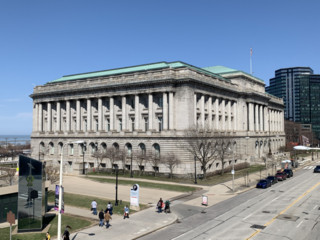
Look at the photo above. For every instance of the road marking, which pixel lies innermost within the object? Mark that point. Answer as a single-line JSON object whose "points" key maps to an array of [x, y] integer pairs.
{"points": [[305, 167], [299, 224], [247, 216], [274, 199], [180, 235], [257, 231], [315, 207]]}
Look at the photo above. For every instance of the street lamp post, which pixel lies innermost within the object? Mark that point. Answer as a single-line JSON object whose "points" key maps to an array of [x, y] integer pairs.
{"points": [[60, 188], [116, 203], [131, 165], [84, 145], [195, 170]]}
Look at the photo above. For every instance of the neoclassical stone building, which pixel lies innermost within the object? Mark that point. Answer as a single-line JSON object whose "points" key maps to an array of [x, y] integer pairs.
{"points": [[147, 106]]}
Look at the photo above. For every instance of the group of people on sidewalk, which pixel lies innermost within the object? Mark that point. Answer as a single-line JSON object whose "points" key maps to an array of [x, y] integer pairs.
{"points": [[163, 205]]}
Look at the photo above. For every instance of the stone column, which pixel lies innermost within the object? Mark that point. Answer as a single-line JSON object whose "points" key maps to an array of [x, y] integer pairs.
{"points": [[111, 116], [100, 125], [150, 108], [251, 117], [136, 112], [223, 115], [229, 115], [281, 121], [235, 119], [35, 117], [124, 117], [210, 113], [58, 129], [170, 110], [89, 117], [78, 115], [165, 111], [49, 117], [256, 111], [40, 118], [216, 112], [265, 119], [68, 115], [272, 120], [195, 108], [202, 114], [260, 118]]}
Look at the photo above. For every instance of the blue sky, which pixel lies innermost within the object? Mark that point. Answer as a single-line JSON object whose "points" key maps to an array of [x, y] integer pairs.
{"points": [[44, 40]]}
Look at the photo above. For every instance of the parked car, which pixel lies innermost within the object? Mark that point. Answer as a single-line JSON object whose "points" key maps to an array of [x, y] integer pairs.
{"points": [[289, 172], [317, 169], [281, 176], [272, 179], [263, 183]]}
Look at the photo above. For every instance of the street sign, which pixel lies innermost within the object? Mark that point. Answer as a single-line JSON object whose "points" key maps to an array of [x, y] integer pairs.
{"points": [[232, 171], [204, 200], [134, 195], [11, 220]]}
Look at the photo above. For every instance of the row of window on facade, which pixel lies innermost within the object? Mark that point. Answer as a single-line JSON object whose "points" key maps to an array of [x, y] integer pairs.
{"points": [[93, 147]]}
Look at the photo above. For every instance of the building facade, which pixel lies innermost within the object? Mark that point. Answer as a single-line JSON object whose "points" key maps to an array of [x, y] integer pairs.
{"points": [[148, 107], [300, 89]]}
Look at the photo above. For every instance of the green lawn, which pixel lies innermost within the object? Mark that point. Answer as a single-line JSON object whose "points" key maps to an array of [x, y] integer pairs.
{"points": [[169, 187], [75, 223], [82, 201], [209, 181]]}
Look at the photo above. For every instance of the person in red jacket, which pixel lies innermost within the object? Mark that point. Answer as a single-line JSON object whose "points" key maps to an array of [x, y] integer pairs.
{"points": [[159, 205]]}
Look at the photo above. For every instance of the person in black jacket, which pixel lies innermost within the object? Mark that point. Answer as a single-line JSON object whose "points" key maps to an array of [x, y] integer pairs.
{"points": [[101, 217]]}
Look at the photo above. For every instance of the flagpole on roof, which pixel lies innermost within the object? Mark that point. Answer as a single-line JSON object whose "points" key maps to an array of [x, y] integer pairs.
{"points": [[250, 60]]}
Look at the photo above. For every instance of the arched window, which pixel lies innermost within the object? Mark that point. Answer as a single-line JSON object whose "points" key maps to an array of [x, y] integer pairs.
{"points": [[142, 147], [60, 147], [41, 147], [156, 148], [129, 149], [93, 147], [104, 147], [116, 146], [51, 145]]}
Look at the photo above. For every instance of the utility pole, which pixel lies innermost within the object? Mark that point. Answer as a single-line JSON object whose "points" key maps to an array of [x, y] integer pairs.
{"points": [[131, 164]]}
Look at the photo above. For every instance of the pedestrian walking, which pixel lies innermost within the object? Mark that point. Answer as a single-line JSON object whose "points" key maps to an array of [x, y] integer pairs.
{"points": [[167, 206], [159, 205], [107, 218], [109, 208], [48, 236], [126, 212], [101, 217], [94, 206], [66, 234]]}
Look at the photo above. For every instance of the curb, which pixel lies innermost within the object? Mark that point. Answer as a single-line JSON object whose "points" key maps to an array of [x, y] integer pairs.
{"points": [[157, 229]]}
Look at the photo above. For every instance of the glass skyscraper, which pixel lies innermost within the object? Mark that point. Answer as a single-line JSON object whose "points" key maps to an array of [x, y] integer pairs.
{"points": [[300, 90]]}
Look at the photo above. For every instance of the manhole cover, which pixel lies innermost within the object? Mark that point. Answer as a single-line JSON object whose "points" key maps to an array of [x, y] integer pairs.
{"points": [[203, 212], [287, 217], [258, 226], [265, 211], [305, 212]]}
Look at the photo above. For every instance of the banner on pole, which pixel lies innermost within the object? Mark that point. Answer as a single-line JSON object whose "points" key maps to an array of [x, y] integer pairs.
{"points": [[56, 203], [205, 200]]}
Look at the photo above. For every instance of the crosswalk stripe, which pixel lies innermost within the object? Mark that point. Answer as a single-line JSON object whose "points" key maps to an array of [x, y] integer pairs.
{"points": [[305, 168]]}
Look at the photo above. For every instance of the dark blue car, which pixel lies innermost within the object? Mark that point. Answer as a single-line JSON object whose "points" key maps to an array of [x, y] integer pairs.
{"points": [[264, 183]]}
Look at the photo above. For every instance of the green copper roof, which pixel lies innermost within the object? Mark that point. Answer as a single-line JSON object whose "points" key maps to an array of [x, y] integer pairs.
{"points": [[137, 68], [224, 70]]}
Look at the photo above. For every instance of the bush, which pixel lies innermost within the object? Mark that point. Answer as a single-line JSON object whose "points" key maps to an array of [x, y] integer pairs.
{"points": [[237, 167]]}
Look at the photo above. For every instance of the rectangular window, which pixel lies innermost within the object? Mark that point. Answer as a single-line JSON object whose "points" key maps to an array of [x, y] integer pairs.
{"points": [[85, 125], [75, 125], [160, 124], [146, 124], [132, 122], [97, 125], [108, 125], [160, 102], [132, 104], [120, 125]]}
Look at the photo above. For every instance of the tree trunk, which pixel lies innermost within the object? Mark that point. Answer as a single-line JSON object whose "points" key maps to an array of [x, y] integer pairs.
{"points": [[204, 172]]}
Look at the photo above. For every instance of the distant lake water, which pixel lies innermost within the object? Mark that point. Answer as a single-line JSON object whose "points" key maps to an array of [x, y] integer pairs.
{"points": [[11, 138]]}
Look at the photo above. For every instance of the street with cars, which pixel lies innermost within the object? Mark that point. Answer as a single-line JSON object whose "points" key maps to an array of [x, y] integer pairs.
{"points": [[289, 209]]}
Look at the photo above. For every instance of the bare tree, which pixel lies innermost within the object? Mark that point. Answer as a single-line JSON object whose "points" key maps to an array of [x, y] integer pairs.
{"points": [[200, 142], [223, 146], [140, 158], [170, 161], [9, 175], [112, 155], [100, 155], [122, 156], [53, 174]]}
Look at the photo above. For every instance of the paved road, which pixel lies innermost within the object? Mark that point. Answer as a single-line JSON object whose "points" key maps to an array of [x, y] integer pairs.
{"points": [[288, 210]]}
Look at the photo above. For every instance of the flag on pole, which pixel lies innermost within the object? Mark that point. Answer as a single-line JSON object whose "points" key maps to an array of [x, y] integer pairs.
{"points": [[251, 51]]}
